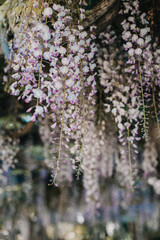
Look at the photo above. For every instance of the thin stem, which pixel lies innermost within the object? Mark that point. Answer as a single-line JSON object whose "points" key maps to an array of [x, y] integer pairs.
{"points": [[83, 126], [61, 134], [40, 68], [63, 110], [129, 155], [100, 110], [144, 111], [155, 109]]}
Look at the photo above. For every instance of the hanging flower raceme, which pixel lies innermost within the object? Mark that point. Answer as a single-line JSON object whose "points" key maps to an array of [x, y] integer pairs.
{"points": [[120, 93], [108, 152], [155, 85], [90, 167], [52, 59], [65, 175], [136, 34]]}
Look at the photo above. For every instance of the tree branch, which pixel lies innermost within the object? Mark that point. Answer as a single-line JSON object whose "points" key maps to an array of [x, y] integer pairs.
{"points": [[101, 15], [25, 130]]}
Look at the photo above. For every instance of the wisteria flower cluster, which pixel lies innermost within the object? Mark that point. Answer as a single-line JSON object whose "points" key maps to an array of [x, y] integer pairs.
{"points": [[53, 67], [141, 58], [88, 122], [130, 78], [120, 95]]}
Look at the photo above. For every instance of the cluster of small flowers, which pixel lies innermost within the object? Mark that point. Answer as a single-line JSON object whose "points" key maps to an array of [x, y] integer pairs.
{"points": [[100, 159], [52, 59], [125, 173], [65, 173], [156, 57], [109, 77], [137, 38], [57, 41], [149, 165], [155, 183], [84, 121], [8, 151], [150, 162], [136, 35], [64, 49], [46, 137], [90, 167], [108, 152], [121, 100], [121, 97], [156, 83]]}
